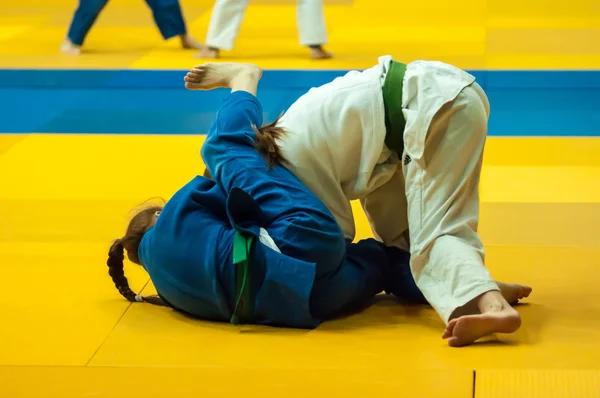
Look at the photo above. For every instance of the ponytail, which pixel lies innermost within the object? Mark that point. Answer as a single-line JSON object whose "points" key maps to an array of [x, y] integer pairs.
{"points": [[266, 143], [116, 255], [138, 226]]}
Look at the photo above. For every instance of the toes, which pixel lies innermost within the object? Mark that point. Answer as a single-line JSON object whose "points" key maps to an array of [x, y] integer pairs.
{"points": [[524, 291], [449, 328], [193, 78], [193, 86], [455, 342], [448, 332]]}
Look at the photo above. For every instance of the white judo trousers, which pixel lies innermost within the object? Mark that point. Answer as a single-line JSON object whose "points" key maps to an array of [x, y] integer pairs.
{"points": [[227, 16], [427, 200], [437, 198]]}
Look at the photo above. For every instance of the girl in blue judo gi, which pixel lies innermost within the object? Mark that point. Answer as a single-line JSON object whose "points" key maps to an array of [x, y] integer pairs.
{"points": [[253, 244], [167, 15]]}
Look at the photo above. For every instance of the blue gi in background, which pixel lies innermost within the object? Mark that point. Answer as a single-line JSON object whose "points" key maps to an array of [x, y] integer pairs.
{"points": [[167, 15], [317, 275]]}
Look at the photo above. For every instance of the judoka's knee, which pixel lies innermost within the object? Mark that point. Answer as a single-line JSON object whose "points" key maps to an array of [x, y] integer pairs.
{"points": [[323, 245], [329, 249]]}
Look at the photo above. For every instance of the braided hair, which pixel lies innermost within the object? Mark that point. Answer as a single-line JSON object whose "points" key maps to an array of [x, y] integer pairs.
{"points": [[130, 243]]}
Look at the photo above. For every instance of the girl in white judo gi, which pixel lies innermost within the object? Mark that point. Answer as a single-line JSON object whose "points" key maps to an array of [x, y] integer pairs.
{"points": [[407, 141]]}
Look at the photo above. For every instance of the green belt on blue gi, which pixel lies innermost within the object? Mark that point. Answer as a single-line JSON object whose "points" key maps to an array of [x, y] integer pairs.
{"points": [[242, 312], [392, 102]]}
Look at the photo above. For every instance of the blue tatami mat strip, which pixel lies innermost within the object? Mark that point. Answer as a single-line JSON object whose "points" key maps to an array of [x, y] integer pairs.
{"points": [[524, 103]]}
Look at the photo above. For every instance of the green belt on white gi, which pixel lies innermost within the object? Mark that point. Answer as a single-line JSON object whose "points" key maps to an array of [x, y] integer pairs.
{"points": [[242, 312], [392, 102]]}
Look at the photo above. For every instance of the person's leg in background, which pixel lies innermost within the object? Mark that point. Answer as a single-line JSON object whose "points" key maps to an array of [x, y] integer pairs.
{"points": [[224, 26], [84, 17], [227, 16], [167, 15], [169, 19], [310, 19]]}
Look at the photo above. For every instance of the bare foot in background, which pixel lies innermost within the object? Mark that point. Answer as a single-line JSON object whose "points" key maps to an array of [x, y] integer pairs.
{"points": [[67, 47], [207, 52], [318, 52], [188, 41]]}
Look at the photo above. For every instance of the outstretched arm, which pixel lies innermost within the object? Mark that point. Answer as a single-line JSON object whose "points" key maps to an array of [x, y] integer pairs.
{"points": [[236, 76]]}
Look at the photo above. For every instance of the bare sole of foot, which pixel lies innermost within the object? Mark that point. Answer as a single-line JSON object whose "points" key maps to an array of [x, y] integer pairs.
{"points": [[513, 292], [470, 328], [208, 53], [215, 75]]}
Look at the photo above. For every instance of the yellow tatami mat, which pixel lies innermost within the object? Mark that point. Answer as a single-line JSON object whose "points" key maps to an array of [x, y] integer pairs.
{"points": [[66, 332], [472, 34], [538, 384], [224, 383]]}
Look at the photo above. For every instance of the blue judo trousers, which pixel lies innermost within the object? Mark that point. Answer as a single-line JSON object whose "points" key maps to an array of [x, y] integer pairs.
{"points": [[167, 15], [316, 276]]}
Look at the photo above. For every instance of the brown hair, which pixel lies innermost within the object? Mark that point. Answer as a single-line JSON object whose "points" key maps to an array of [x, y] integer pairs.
{"points": [[139, 224], [266, 144]]}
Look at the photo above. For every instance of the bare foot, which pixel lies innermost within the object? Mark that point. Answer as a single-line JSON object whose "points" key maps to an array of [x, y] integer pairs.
{"points": [[188, 42], [513, 292], [318, 52], [67, 47], [496, 316], [215, 75], [469, 328], [207, 52]]}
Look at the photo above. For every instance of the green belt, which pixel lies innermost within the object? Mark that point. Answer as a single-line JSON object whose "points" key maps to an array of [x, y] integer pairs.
{"points": [[243, 305], [392, 102]]}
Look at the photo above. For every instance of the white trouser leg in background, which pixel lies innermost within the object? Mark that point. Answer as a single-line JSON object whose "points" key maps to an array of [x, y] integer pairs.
{"points": [[442, 191], [310, 19], [225, 22]]}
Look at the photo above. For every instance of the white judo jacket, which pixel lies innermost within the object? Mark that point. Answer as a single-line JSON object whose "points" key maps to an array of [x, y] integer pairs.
{"points": [[335, 133]]}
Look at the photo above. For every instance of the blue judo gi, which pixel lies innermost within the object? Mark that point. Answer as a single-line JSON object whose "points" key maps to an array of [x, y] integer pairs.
{"points": [[209, 228], [167, 15]]}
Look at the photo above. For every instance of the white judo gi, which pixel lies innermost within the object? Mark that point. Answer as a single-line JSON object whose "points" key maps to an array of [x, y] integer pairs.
{"points": [[227, 16], [335, 144]]}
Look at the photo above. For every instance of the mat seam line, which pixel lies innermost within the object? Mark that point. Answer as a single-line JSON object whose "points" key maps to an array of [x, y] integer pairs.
{"points": [[113, 328], [473, 393]]}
